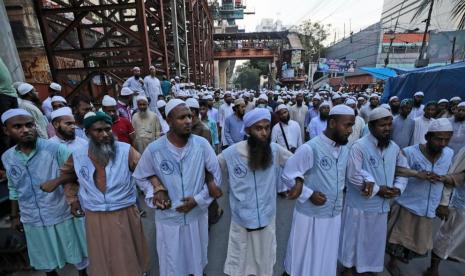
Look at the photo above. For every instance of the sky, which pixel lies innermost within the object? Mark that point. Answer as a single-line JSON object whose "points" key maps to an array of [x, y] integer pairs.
{"points": [[356, 14]]}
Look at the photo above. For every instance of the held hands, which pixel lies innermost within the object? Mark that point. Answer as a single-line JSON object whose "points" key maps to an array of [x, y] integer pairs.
{"points": [[161, 200], [429, 176], [76, 209], [295, 192], [189, 204], [367, 189], [386, 192], [318, 198], [213, 190]]}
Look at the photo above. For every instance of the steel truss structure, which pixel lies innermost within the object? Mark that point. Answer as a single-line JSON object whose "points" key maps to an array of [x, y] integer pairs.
{"points": [[102, 40]]}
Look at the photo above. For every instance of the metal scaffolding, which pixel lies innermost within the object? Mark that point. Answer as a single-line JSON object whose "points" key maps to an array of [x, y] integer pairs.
{"points": [[102, 40]]}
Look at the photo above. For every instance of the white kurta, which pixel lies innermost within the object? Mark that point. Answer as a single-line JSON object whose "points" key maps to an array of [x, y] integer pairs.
{"points": [[357, 129], [316, 127], [224, 112], [421, 128], [417, 112], [164, 125], [152, 89], [292, 132], [298, 114], [313, 245]]}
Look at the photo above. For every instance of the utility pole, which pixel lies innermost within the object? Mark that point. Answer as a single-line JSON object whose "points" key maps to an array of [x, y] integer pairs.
{"points": [[393, 36], [420, 62], [452, 59]]}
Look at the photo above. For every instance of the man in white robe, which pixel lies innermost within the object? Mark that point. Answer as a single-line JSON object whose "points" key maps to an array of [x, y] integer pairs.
{"points": [[318, 124], [179, 160], [299, 112], [418, 107], [65, 125], [318, 171], [225, 110], [458, 124], [357, 129], [370, 186], [161, 104], [252, 170], [422, 123], [152, 88]]}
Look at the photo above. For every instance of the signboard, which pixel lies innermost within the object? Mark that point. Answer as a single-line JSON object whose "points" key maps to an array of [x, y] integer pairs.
{"points": [[440, 46], [331, 65], [296, 58]]}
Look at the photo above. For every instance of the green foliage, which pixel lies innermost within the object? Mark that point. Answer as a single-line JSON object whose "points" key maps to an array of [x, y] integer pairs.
{"points": [[247, 77], [312, 35]]}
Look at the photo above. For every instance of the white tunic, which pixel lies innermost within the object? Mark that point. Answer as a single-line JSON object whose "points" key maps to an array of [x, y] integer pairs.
{"points": [[316, 127], [357, 129], [421, 128], [164, 125], [152, 89], [292, 132], [417, 112], [224, 112], [298, 114]]}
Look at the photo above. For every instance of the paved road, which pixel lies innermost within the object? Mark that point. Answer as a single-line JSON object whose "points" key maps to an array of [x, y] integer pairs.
{"points": [[219, 239]]}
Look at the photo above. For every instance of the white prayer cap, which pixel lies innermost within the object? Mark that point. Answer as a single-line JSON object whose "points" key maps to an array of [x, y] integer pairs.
{"points": [[341, 109], [280, 100], [126, 91], [10, 113], [360, 98], [142, 98], [172, 104], [462, 104], [393, 98], [378, 113], [336, 96], [176, 78], [208, 97], [374, 95], [325, 103], [281, 106], [24, 88], [443, 101], [161, 103], [171, 80], [238, 101], [441, 124], [58, 99], [135, 68], [108, 101], [263, 97], [55, 86], [152, 67], [193, 103], [317, 96], [385, 105], [350, 101], [256, 115], [419, 93], [456, 99], [64, 111]]}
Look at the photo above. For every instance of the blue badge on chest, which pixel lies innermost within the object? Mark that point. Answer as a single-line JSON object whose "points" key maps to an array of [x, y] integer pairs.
{"points": [[326, 163], [240, 171], [15, 172], [84, 172], [167, 167], [373, 162]]}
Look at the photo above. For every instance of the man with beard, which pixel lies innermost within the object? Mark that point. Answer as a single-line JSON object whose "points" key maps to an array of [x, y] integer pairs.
{"points": [[317, 170], [124, 104], [394, 103], [64, 125], [152, 88], [136, 84], [81, 106], [28, 100], [218, 102], [252, 170], [422, 123], [357, 128], [371, 185], [410, 225], [179, 160], [403, 126], [162, 117], [286, 133], [298, 113], [443, 109], [212, 112], [234, 124], [103, 169], [248, 103], [458, 125], [313, 109], [318, 124], [54, 238], [418, 107], [121, 127], [57, 102], [366, 109], [54, 89], [146, 124], [361, 101], [225, 110], [449, 242]]}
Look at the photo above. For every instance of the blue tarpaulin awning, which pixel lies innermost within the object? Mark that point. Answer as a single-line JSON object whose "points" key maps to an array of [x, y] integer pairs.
{"points": [[380, 73]]}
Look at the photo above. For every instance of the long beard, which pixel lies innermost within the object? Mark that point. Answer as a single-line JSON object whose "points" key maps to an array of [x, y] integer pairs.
{"points": [[65, 135], [103, 152], [260, 154], [143, 114]]}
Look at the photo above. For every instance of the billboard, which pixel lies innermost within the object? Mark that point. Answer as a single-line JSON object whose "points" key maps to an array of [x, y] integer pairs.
{"points": [[440, 46], [331, 65]]}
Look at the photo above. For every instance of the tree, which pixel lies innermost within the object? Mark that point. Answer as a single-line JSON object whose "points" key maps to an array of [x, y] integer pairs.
{"points": [[247, 77], [312, 35], [458, 11]]}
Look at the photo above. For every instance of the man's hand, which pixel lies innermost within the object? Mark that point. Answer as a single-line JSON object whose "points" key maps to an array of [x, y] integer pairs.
{"points": [[189, 204], [367, 189], [442, 212], [429, 176], [16, 224], [395, 192], [295, 192], [318, 198], [161, 200], [76, 209], [49, 186], [213, 190], [384, 192]]}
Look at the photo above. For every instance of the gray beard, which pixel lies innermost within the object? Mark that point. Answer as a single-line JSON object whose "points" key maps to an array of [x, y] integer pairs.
{"points": [[143, 114], [103, 153]]}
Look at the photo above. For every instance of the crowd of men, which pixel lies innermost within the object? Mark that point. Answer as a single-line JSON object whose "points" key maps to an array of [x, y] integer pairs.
{"points": [[367, 178]]}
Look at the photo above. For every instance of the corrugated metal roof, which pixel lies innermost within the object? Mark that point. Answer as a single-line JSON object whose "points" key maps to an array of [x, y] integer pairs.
{"points": [[294, 41]]}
